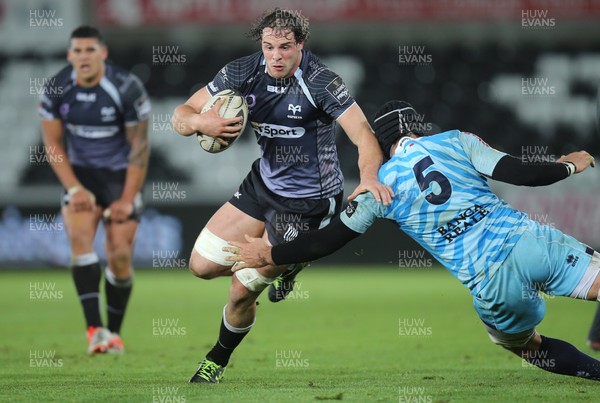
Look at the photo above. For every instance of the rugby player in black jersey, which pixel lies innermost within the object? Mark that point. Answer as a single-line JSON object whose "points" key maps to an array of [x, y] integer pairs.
{"points": [[94, 122], [296, 186]]}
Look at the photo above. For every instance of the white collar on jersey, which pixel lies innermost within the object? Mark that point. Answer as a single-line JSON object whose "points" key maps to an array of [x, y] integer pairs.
{"points": [[402, 144], [301, 82]]}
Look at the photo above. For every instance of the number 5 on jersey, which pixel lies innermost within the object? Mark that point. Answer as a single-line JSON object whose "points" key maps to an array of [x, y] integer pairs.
{"points": [[432, 176]]}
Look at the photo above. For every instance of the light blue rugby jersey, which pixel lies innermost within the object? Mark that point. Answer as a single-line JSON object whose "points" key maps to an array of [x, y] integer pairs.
{"points": [[443, 201]]}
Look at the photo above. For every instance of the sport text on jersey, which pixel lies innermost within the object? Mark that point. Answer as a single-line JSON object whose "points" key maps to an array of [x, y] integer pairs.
{"points": [[461, 223], [268, 130]]}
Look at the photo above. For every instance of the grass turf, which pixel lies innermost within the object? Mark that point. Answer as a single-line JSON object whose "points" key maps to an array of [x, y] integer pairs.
{"points": [[369, 334]]}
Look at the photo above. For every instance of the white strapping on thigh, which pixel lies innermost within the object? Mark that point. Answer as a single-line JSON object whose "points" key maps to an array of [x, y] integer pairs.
{"points": [[507, 340], [586, 282], [211, 247]]}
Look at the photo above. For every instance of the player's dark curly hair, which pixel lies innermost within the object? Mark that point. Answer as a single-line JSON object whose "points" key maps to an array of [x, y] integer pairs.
{"points": [[281, 19]]}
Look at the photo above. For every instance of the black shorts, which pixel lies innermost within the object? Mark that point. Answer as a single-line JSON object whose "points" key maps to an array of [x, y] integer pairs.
{"points": [[106, 185], [285, 218]]}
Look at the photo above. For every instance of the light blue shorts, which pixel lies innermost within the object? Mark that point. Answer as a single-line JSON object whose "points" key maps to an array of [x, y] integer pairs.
{"points": [[544, 259]]}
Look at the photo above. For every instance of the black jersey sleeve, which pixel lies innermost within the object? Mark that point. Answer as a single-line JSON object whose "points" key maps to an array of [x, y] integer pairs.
{"points": [[48, 108], [512, 170], [234, 74], [51, 95], [330, 92], [136, 103]]}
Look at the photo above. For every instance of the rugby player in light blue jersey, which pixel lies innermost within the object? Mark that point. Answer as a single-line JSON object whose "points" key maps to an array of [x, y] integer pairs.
{"points": [[102, 112], [296, 186], [443, 201], [594, 333]]}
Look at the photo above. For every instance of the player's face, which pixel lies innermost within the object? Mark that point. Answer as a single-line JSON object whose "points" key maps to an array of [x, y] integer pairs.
{"points": [[282, 52], [87, 56]]}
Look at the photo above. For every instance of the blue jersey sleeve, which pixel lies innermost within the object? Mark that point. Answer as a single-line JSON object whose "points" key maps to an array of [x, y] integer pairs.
{"points": [[136, 103], [483, 157], [361, 213]]}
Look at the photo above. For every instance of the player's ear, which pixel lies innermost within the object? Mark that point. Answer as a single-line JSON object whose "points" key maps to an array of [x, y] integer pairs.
{"points": [[69, 53], [104, 51], [300, 45]]}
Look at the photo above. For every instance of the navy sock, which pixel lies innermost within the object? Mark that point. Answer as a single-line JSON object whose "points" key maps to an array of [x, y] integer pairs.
{"points": [[117, 295], [560, 357], [594, 334], [87, 282], [229, 338]]}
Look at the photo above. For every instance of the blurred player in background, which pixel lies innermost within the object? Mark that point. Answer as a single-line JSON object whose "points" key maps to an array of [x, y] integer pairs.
{"points": [[442, 200], [297, 185], [101, 111]]}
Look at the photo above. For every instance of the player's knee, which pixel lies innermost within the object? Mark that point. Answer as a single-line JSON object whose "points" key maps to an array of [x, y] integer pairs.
{"points": [[120, 258], [240, 296], [201, 268], [80, 241]]}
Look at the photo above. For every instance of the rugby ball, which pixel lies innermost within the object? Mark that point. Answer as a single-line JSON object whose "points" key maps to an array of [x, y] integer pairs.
{"points": [[235, 105]]}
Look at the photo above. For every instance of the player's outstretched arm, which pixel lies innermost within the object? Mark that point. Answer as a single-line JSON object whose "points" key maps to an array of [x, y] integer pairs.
{"points": [[370, 156], [307, 247], [513, 170], [188, 119], [581, 159]]}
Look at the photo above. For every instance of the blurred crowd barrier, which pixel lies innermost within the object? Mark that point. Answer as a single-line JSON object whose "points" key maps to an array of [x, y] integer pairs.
{"points": [[38, 239]]}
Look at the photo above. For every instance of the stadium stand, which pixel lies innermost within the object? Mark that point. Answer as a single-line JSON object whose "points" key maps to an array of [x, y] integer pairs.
{"points": [[477, 88]]}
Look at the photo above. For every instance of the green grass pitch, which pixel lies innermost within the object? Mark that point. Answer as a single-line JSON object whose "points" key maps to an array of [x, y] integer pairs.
{"points": [[361, 334]]}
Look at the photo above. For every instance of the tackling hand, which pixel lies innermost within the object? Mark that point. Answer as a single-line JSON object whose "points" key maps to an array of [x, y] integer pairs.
{"points": [[382, 193], [254, 254], [581, 159]]}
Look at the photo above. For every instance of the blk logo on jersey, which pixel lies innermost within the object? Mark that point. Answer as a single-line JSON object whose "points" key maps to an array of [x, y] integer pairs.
{"points": [[295, 109], [271, 131], [290, 234], [276, 90], [250, 100], [64, 110], [338, 90], [572, 260], [461, 223], [86, 97], [351, 208], [108, 113]]}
